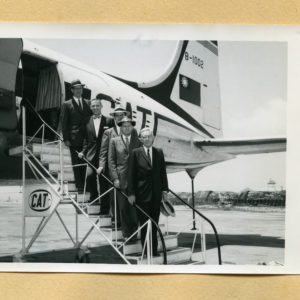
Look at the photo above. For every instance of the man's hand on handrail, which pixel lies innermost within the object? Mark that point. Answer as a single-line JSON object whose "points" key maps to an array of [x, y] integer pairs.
{"points": [[99, 170], [131, 199], [80, 155], [117, 183]]}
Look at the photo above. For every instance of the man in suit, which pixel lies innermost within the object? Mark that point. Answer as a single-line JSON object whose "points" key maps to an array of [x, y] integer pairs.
{"points": [[119, 113], [75, 114], [95, 127], [147, 182], [120, 148]]}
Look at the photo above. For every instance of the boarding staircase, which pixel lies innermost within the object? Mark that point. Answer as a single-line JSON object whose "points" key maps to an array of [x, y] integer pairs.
{"points": [[49, 156]]}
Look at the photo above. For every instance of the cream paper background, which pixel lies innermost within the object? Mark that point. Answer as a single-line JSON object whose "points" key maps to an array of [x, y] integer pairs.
{"points": [[291, 34]]}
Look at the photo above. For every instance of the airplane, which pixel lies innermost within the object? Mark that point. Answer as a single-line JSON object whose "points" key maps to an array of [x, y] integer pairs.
{"points": [[182, 106]]}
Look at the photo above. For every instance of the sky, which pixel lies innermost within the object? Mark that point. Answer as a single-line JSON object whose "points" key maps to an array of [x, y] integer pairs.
{"points": [[253, 85]]}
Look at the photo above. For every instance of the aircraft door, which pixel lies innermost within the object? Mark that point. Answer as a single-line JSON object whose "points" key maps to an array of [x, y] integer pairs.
{"points": [[10, 52]]}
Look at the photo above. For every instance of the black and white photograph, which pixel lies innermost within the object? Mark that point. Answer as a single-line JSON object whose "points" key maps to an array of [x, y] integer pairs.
{"points": [[124, 154]]}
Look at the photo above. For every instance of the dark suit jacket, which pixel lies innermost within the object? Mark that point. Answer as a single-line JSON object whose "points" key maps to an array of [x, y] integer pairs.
{"points": [[74, 120], [118, 156], [92, 143], [147, 182], [107, 136]]}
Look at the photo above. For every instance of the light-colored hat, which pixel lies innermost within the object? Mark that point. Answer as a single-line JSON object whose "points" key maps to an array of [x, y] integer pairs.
{"points": [[126, 119], [118, 110], [167, 209], [76, 83]]}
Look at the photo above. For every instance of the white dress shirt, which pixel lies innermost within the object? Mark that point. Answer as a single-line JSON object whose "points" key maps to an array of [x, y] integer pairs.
{"points": [[97, 121], [79, 102], [124, 138], [150, 152]]}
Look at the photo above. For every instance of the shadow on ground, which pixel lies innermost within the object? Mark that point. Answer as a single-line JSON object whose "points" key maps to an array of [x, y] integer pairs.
{"points": [[186, 240]]}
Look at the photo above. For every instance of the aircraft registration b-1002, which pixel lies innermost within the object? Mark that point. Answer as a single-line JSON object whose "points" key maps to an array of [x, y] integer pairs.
{"points": [[182, 106]]}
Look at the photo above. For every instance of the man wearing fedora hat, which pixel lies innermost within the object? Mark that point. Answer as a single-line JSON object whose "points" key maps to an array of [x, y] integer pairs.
{"points": [[147, 182], [91, 149], [75, 115], [118, 114], [120, 148]]}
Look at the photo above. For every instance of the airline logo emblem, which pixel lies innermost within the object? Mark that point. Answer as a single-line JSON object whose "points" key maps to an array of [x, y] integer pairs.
{"points": [[40, 200], [189, 90]]}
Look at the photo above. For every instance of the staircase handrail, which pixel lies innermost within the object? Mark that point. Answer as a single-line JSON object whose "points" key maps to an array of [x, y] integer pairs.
{"points": [[139, 208], [108, 180], [206, 219]]}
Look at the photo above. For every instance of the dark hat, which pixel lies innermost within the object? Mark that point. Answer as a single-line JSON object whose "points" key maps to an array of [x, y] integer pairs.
{"points": [[76, 83], [167, 209], [101, 96], [126, 119], [118, 110], [163, 209]]}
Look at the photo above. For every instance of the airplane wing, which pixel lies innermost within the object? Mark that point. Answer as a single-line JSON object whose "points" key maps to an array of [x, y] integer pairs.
{"points": [[243, 146]]}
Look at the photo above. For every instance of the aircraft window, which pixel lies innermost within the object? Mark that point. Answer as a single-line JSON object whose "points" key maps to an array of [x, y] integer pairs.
{"points": [[129, 109], [133, 115]]}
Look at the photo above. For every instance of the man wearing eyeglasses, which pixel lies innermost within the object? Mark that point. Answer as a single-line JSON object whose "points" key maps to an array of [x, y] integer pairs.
{"points": [[147, 182]]}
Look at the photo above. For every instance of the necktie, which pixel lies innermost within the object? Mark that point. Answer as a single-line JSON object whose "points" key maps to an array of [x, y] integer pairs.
{"points": [[79, 104], [148, 154], [127, 142]]}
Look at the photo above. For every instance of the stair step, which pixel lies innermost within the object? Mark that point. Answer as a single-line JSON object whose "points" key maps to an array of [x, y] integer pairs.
{"points": [[55, 168], [112, 234], [67, 176], [171, 242], [49, 149], [80, 197], [92, 210], [191, 262], [174, 256], [38, 149], [104, 220], [16, 151], [71, 186], [55, 158]]}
